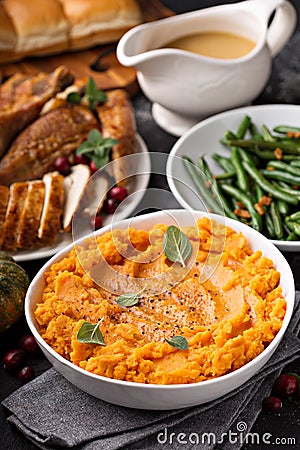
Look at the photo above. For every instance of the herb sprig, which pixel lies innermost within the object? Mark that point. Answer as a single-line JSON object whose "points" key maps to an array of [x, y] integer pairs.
{"points": [[97, 148], [92, 95]]}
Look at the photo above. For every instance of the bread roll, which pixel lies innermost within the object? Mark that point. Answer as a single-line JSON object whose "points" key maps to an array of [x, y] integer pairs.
{"points": [[8, 37], [95, 22], [41, 26], [46, 27]]}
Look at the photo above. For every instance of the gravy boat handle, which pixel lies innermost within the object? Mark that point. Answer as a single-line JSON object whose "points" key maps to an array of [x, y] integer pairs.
{"points": [[282, 25]]}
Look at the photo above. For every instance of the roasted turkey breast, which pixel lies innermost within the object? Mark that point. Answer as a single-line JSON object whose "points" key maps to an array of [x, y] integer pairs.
{"points": [[55, 134], [22, 98], [118, 122], [10, 228]]}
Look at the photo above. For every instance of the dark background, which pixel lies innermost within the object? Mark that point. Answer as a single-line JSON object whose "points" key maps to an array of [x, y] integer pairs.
{"points": [[283, 87]]}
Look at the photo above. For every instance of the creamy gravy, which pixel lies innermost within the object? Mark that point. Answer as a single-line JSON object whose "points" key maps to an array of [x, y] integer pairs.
{"points": [[214, 44]]}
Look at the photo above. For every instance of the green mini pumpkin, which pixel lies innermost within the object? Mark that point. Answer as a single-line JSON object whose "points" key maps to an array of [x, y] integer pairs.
{"points": [[14, 282]]}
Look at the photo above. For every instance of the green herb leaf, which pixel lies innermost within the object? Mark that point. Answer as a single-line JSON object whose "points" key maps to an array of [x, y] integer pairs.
{"points": [[179, 342], [128, 299], [97, 148], [176, 245], [100, 161], [74, 97], [93, 95], [89, 333]]}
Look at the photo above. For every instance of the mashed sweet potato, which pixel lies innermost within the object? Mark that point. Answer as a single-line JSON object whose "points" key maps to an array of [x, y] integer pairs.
{"points": [[227, 320]]}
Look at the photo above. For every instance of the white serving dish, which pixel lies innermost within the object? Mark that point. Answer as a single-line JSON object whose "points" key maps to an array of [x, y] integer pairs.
{"points": [[164, 397], [204, 140]]}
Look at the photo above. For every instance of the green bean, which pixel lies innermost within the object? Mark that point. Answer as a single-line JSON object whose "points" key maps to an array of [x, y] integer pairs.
{"points": [[230, 135], [201, 187], [223, 162], [246, 156], [295, 163], [288, 139], [269, 225], [225, 175], [293, 226], [290, 158], [267, 135], [259, 143], [206, 170], [243, 127], [286, 188], [294, 217], [278, 226], [270, 154], [254, 131], [284, 166], [284, 129], [241, 176], [266, 185], [292, 237], [283, 207], [263, 154], [256, 219], [282, 176], [259, 193]]}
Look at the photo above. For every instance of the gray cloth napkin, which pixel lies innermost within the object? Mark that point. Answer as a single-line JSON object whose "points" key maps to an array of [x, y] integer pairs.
{"points": [[53, 413]]}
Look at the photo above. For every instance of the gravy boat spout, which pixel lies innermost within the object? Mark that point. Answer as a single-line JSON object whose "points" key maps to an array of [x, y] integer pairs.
{"points": [[185, 86]]}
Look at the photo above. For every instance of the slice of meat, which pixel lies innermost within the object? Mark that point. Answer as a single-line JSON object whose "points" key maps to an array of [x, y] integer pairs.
{"points": [[4, 196], [22, 98], [118, 122], [50, 222], [74, 185], [17, 196], [55, 134], [30, 218]]}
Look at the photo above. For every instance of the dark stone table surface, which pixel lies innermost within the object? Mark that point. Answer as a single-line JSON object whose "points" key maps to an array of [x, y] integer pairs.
{"points": [[283, 87]]}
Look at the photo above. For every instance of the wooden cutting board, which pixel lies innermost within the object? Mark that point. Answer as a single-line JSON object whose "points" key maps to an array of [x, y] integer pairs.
{"points": [[99, 62], [109, 73]]}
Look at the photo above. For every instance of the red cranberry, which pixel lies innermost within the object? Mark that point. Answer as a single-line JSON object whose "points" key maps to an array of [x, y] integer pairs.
{"points": [[62, 164], [93, 167], [14, 359], [118, 193], [26, 374], [82, 159], [96, 222], [110, 205], [272, 404], [285, 385], [28, 344]]}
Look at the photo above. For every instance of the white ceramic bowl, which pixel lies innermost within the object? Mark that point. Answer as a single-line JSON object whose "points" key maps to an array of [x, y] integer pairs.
{"points": [[204, 140], [151, 396]]}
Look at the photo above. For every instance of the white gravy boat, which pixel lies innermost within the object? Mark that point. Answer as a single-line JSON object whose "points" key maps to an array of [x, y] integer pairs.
{"points": [[186, 87]]}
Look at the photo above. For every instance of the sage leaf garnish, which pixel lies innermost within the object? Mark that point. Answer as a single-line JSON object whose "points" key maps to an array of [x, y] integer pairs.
{"points": [[90, 333], [128, 299], [97, 148], [179, 342], [177, 246]]}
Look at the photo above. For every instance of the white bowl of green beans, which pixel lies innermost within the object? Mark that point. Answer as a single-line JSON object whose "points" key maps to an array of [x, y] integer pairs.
{"points": [[245, 164]]}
